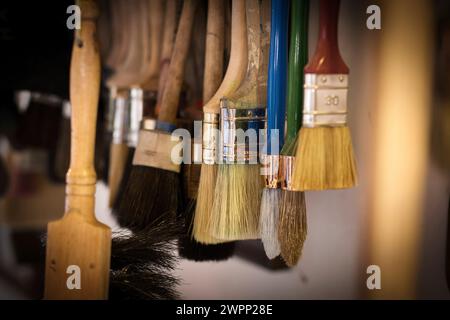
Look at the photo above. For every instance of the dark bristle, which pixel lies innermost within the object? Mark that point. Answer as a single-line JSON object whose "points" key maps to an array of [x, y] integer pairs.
{"points": [[190, 249], [141, 263], [123, 182], [149, 194]]}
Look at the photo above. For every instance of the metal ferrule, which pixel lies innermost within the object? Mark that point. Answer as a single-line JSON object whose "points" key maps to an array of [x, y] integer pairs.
{"points": [[240, 133], [286, 172], [271, 166], [66, 109], [121, 120], [136, 110], [325, 100], [210, 138], [148, 124]]}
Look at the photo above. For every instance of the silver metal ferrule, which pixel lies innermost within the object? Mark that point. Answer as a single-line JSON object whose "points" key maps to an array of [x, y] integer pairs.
{"points": [[136, 110], [66, 109], [240, 133], [325, 100], [210, 138], [121, 120]]}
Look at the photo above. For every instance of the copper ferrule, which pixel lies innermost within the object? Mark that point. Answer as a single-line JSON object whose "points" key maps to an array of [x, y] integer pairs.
{"points": [[240, 133], [271, 171], [286, 172], [325, 100]]}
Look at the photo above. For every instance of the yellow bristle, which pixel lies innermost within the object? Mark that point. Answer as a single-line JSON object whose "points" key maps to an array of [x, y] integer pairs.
{"points": [[324, 159], [205, 200], [237, 202], [292, 226]]}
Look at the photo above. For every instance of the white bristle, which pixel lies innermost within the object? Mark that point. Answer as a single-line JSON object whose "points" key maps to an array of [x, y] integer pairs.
{"points": [[268, 223]]}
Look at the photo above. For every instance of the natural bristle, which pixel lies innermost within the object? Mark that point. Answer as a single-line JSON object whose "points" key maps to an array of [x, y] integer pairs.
{"points": [[123, 182], [142, 263], [292, 226], [268, 222], [149, 194], [324, 159], [237, 201], [205, 200]]}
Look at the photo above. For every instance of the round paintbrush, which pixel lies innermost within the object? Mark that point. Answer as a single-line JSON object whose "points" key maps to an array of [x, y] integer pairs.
{"points": [[276, 106], [324, 157], [233, 77], [292, 225], [153, 189], [239, 183]]}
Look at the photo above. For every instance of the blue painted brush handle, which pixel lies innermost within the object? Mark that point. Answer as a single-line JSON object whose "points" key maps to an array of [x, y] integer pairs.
{"points": [[277, 82]]}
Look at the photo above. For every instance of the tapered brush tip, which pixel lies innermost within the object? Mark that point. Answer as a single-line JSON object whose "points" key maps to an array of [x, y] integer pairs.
{"points": [[268, 222]]}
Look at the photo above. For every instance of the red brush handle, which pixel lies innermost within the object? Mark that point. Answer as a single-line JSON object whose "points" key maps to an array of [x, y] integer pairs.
{"points": [[327, 58]]}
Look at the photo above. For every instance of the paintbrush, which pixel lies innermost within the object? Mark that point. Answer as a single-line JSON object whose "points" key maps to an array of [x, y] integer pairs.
{"points": [[233, 77], [125, 72], [324, 157], [153, 187], [190, 248], [78, 239], [142, 92], [276, 106], [292, 226], [239, 183]]}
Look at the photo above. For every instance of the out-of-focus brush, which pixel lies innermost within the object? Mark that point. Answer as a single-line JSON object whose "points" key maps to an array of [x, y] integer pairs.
{"points": [[153, 188]]}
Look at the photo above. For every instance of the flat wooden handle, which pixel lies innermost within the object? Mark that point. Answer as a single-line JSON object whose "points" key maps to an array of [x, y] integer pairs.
{"points": [[84, 94], [237, 65], [327, 57], [171, 95], [215, 42]]}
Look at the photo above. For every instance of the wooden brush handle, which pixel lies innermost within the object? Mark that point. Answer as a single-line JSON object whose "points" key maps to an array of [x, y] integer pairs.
{"points": [[170, 25], [128, 72], [237, 65], [156, 16], [215, 42], [327, 57], [171, 95], [84, 94]]}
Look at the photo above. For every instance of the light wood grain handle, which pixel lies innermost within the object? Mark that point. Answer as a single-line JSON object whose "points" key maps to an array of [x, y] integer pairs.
{"points": [[84, 94], [156, 22], [237, 65], [167, 48], [171, 95], [215, 42]]}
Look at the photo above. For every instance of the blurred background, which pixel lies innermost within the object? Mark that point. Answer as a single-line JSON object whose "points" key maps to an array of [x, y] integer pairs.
{"points": [[399, 113]]}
